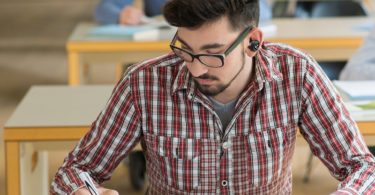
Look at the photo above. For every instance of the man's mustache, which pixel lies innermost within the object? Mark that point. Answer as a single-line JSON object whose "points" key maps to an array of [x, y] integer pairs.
{"points": [[207, 76]]}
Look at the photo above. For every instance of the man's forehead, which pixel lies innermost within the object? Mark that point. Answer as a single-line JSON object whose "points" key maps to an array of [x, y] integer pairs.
{"points": [[205, 37], [198, 41], [216, 27]]}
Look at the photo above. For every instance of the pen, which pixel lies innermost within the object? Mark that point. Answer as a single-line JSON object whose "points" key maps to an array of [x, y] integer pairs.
{"points": [[85, 177]]}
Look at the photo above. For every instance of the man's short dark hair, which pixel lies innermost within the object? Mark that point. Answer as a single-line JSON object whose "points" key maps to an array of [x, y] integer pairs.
{"points": [[195, 13]]}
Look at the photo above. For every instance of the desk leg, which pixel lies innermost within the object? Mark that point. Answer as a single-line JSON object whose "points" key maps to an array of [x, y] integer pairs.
{"points": [[34, 170], [12, 167], [73, 60]]}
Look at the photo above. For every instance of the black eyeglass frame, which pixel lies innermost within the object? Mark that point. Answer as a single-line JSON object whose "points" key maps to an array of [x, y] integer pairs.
{"points": [[222, 56]]}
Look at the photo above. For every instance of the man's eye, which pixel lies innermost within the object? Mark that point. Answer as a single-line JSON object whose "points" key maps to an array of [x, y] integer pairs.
{"points": [[214, 51]]}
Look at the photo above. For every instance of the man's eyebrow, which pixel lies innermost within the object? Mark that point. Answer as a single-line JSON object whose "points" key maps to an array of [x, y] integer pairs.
{"points": [[183, 42], [204, 47]]}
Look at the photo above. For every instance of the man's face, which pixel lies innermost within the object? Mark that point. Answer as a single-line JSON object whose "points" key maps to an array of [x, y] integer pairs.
{"points": [[213, 38]]}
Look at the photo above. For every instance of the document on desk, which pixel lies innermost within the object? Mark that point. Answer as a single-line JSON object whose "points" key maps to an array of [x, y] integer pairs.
{"points": [[359, 98], [152, 31], [361, 110], [356, 90]]}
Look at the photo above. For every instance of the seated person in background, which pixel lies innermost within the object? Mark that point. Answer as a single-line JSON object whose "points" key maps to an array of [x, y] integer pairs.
{"points": [[219, 114], [361, 65], [123, 12], [318, 8]]}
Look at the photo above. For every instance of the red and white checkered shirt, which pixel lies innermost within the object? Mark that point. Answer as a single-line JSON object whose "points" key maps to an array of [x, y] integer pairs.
{"points": [[187, 150]]}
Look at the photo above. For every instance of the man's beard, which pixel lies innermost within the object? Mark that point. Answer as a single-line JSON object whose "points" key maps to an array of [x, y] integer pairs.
{"points": [[215, 90], [212, 90]]}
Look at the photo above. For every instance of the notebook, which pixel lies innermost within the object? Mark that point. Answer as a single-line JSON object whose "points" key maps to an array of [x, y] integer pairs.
{"points": [[356, 90]]}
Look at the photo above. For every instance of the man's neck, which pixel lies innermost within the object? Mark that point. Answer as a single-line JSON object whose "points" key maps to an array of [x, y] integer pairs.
{"points": [[238, 85]]}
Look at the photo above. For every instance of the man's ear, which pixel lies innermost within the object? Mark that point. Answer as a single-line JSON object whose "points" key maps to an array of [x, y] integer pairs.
{"points": [[254, 42]]}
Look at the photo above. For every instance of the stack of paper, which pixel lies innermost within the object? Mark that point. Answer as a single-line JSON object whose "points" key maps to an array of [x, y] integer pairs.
{"points": [[152, 31], [121, 32], [359, 98], [361, 110], [356, 90]]}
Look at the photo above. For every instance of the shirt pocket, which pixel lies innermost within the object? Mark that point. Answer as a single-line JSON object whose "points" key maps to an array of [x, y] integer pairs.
{"points": [[265, 155], [179, 160]]}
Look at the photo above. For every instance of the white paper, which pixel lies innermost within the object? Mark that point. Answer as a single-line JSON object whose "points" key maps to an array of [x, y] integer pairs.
{"points": [[356, 90]]}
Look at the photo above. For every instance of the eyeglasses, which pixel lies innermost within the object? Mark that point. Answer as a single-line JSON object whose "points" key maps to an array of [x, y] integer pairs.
{"points": [[210, 60]]}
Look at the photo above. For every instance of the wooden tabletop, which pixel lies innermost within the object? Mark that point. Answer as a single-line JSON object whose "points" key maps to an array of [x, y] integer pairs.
{"points": [[56, 112]]}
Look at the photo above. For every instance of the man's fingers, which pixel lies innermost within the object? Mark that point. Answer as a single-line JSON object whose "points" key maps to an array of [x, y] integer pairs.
{"points": [[105, 191]]}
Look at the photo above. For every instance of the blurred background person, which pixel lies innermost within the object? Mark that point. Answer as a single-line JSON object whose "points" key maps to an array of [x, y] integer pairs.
{"points": [[361, 65], [124, 12]]}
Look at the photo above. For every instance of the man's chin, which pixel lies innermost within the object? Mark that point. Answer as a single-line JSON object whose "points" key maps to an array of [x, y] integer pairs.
{"points": [[210, 90]]}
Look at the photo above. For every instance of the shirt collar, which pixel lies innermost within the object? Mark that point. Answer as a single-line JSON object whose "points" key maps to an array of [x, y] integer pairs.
{"points": [[183, 79], [266, 68]]}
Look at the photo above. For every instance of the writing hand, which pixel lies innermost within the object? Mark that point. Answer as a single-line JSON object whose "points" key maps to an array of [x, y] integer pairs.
{"points": [[102, 191]]}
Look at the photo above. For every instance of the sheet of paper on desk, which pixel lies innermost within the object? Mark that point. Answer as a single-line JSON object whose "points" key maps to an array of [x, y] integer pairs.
{"points": [[356, 90], [361, 110], [367, 106], [123, 32], [152, 31]]}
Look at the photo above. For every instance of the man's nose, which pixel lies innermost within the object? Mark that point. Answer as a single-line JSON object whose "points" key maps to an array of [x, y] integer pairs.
{"points": [[196, 68]]}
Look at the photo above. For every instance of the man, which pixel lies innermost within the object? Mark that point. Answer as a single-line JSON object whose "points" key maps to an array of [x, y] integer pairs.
{"points": [[219, 114], [123, 12]]}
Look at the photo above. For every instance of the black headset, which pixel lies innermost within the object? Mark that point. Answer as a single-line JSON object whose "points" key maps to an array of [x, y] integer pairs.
{"points": [[253, 45]]}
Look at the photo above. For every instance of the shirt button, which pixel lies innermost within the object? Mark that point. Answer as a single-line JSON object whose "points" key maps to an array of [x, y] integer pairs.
{"points": [[226, 145], [224, 183]]}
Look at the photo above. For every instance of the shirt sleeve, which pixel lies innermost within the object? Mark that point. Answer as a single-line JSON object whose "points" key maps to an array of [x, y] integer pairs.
{"points": [[108, 11], [333, 136], [361, 65], [112, 135]]}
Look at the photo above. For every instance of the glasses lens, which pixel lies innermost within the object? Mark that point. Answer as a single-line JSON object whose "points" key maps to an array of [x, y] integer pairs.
{"points": [[212, 61], [182, 54]]}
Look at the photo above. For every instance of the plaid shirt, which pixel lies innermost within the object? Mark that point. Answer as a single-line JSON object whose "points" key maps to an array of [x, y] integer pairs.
{"points": [[188, 151]]}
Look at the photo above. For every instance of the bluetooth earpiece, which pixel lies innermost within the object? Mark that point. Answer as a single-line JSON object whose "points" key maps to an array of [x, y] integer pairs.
{"points": [[253, 45]]}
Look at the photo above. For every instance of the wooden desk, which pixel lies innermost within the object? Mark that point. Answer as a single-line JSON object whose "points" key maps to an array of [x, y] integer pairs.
{"points": [[328, 39], [56, 117], [47, 118]]}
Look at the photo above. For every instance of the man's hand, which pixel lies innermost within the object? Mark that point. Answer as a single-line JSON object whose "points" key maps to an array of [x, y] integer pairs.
{"points": [[130, 15], [102, 191]]}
